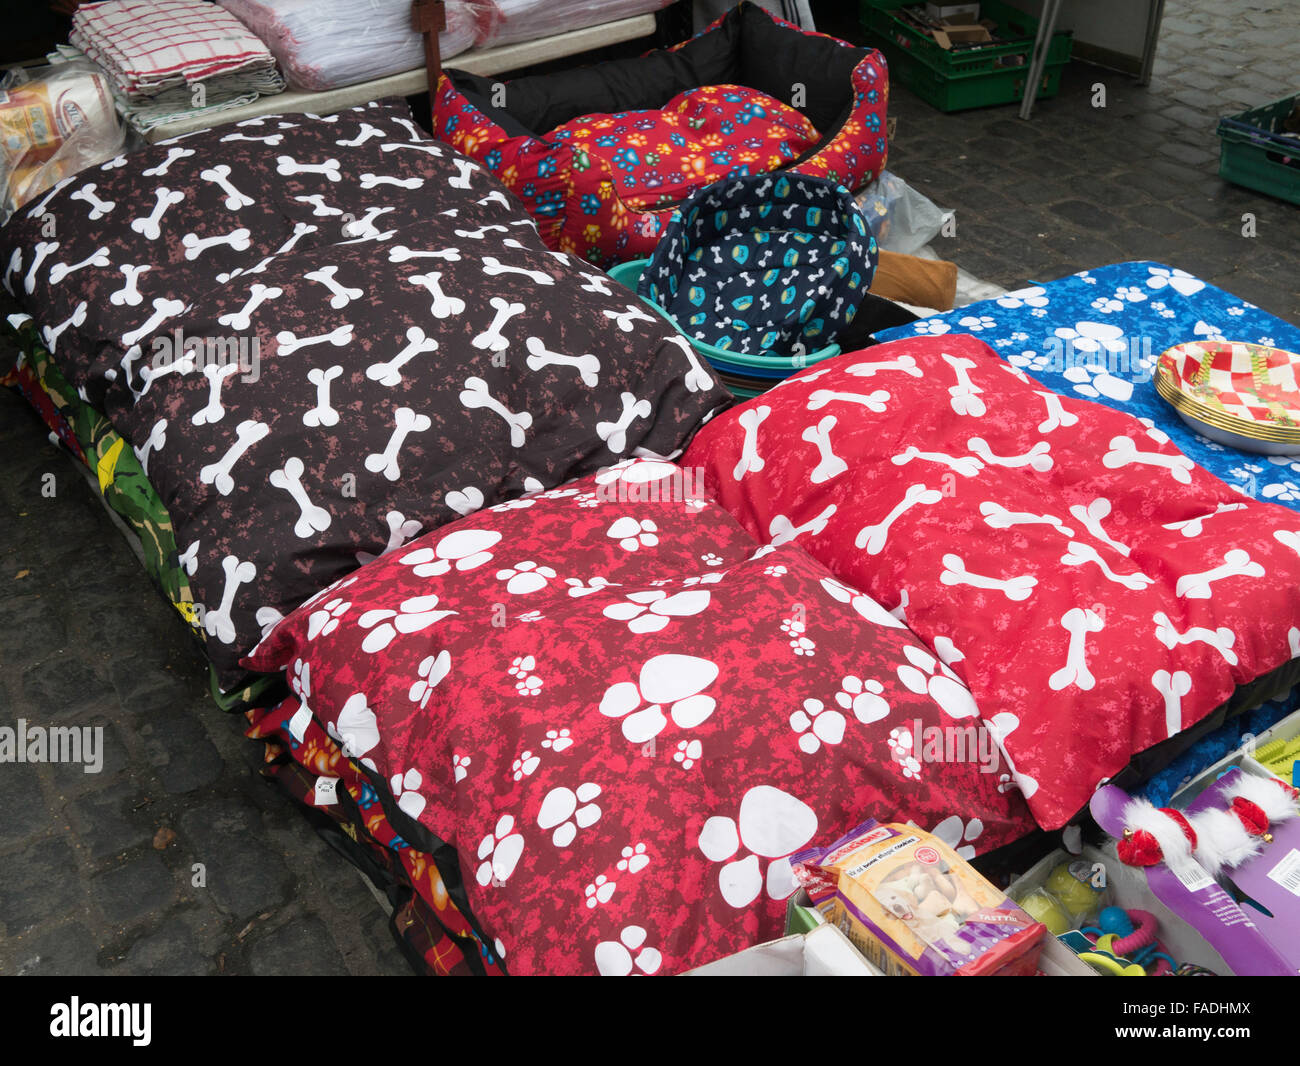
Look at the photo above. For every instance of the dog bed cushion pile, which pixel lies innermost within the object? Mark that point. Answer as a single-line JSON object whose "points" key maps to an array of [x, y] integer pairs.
{"points": [[624, 715], [400, 355], [1096, 590]]}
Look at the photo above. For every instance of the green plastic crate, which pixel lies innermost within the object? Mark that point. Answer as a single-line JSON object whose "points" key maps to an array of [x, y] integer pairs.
{"points": [[978, 77], [1251, 153]]}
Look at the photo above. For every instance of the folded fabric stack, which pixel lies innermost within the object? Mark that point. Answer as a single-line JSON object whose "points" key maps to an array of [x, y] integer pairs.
{"points": [[159, 53], [325, 44], [504, 22]]}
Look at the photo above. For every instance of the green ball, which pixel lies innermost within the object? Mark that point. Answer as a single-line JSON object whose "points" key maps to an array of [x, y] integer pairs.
{"points": [[1079, 897], [1042, 907]]}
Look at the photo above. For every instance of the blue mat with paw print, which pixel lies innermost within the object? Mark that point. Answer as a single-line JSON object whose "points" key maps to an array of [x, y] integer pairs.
{"points": [[1097, 335]]}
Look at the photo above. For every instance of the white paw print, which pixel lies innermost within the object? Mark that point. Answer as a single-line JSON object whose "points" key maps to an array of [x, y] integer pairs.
{"points": [[1034, 296], [709, 559], [863, 698], [499, 852], [600, 891], [356, 728], [615, 958], [688, 753], [403, 787], [931, 327], [1235, 311], [566, 810], [1029, 360], [577, 588], [300, 682], [529, 686], [587, 499], [926, 675], [411, 616], [704, 579], [531, 616], [460, 765], [817, 726], [649, 612], [958, 834], [900, 743], [525, 577], [632, 534], [525, 766], [323, 622], [803, 646], [911, 767], [464, 549], [522, 665], [1131, 293], [1180, 281], [976, 323], [1107, 305], [677, 680], [557, 740], [776, 571], [634, 859], [771, 824], [432, 669], [520, 504]]}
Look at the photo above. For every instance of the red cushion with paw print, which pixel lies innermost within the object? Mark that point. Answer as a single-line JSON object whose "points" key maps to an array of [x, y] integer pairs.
{"points": [[624, 715]]}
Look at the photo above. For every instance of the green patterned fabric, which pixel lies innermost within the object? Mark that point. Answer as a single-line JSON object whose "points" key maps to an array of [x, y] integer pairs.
{"points": [[124, 485]]}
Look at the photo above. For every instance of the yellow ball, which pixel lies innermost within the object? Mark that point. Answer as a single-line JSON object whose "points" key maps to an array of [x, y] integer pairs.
{"points": [[1078, 897], [1042, 907]]}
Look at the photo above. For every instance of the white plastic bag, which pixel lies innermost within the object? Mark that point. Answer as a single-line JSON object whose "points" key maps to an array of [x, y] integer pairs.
{"points": [[54, 121], [900, 217]]}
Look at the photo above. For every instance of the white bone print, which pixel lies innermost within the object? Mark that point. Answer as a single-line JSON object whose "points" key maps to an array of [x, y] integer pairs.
{"points": [[1037, 458], [874, 537], [1193, 527], [390, 373], [406, 422], [173, 154], [288, 166], [288, 344], [1057, 416], [312, 518], [1078, 554], [477, 394], [904, 363], [697, 378], [240, 240], [596, 283], [220, 176], [129, 293], [1173, 687], [1236, 563], [750, 461], [98, 208], [492, 339], [320, 209], [400, 253], [150, 227], [1124, 452], [373, 181], [999, 517], [163, 309], [1015, 589], [364, 134], [1078, 622], [443, 305], [218, 622], [39, 254], [965, 465], [216, 375], [614, 434], [626, 317], [53, 333], [781, 530], [322, 414], [218, 474], [539, 357], [492, 268], [340, 295], [155, 442], [1091, 517], [258, 294], [829, 464], [873, 401], [1221, 639], [965, 395]]}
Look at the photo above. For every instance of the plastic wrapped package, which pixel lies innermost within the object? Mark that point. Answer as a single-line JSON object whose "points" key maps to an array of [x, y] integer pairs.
{"points": [[326, 44], [55, 120], [512, 21], [902, 219]]}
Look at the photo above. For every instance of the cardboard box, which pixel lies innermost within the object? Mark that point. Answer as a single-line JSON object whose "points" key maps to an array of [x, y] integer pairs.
{"points": [[953, 12], [960, 33], [822, 952]]}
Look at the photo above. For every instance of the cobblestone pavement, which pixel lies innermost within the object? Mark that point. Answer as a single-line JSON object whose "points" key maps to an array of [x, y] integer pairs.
{"points": [[95, 870]]}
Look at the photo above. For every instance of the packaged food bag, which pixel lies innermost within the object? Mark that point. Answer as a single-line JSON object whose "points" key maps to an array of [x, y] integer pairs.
{"points": [[54, 121], [912, 905]]}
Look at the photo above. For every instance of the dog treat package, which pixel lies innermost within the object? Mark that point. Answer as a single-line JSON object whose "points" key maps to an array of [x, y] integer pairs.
{"points": [[55, 120], [913, 906]]}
